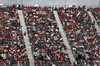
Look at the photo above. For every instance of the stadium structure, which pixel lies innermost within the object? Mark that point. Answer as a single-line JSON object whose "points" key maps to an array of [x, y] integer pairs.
{"points": [[49, 35]]}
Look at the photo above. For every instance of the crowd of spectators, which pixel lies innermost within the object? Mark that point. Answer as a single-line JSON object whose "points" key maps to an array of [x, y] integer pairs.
{"points": [[46, 41], [82, 35], [12, 45], [96, 13]]}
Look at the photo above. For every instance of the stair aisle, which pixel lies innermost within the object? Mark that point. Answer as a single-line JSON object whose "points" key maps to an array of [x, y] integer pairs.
{"points": [[93, 19], [64, 37], [27, 43]]}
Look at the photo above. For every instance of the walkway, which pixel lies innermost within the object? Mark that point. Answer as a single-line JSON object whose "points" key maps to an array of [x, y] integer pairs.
{"points": [[27, 43], [96, 25], [64, 37]]}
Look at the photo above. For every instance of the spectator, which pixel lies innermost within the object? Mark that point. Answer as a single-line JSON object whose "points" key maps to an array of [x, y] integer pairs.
{"points": [[24, 33]]}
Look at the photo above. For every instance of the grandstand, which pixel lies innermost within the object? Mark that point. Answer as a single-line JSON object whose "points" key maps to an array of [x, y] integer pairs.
{"points": [[49, 36]]}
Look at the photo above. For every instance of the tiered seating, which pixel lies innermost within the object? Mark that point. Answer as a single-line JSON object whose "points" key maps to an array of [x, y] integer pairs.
{"points": [[44, 36], [11, 40], [81, 34]]}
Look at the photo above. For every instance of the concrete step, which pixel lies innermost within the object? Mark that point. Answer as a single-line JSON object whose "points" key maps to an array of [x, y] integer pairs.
{"points": [[96, 25], [27, 43], [64, 36]]}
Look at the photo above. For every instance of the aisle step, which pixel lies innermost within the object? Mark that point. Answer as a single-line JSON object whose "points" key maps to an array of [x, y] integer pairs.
{"points": [[64, 37], [27, 43]]}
